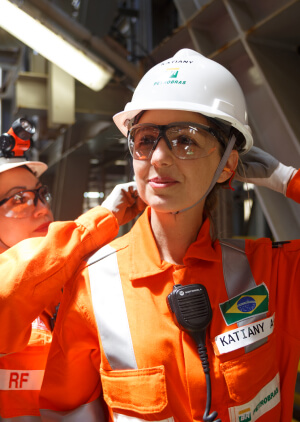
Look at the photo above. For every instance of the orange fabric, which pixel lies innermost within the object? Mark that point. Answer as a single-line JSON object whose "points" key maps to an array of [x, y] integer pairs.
{"points": [[73, 377], [293, 189], [15, 399], [32, 275], [34, 271], [137, 390]]}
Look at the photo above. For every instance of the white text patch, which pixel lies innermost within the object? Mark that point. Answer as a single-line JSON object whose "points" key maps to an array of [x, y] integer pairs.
{"points": [[245, 335], [11, 379]]}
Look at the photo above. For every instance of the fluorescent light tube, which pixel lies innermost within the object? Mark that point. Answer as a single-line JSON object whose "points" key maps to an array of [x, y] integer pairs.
{"points": [[53, 47]]}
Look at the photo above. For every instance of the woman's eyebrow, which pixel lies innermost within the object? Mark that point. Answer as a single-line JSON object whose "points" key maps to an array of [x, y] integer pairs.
{"points": [[20, 188]]}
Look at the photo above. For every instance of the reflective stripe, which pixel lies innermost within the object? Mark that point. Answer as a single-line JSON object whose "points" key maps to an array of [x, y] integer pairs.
{"points": [[90, 412], [236, 269], [38, 324], [238, 278], [22, 419], [16, 380], [123, 418], [110, 310]]}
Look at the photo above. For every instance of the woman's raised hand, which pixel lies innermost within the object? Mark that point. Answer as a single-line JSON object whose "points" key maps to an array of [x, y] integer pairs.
{"points": [[262, 169]]}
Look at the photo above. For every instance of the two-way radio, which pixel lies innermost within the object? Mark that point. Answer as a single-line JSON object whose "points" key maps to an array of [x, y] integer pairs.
{"points": [[191, 310]]}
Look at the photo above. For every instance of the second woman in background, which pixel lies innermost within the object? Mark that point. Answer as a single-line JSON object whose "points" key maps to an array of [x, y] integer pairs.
{"points": [[27, 307]]}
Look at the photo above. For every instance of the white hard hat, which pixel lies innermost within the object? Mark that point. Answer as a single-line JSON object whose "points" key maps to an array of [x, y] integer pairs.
{"points": [[191, 82], [37, 167]]}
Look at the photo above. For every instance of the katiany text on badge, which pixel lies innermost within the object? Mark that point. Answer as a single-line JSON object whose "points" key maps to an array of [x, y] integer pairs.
{"points": [[245, 335]]}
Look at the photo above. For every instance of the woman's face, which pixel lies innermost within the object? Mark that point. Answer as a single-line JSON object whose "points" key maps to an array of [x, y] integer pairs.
{"points": [[13, 230], [170, 184]]}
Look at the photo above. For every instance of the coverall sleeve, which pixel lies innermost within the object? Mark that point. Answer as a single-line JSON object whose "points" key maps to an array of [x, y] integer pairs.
{"points": [[72, 374], [34, 271], [288, 275], [293, 189]]}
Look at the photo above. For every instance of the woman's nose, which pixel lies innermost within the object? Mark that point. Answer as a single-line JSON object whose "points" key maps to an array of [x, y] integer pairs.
{"points": [[41, 208], [162, 155]]}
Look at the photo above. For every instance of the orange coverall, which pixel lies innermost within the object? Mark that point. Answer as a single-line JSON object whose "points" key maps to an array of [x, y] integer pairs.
{"points": [[168, 384], [33, 273]]}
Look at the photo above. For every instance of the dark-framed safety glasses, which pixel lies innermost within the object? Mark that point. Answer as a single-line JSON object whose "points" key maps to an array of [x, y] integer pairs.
{"points": [[22, 204], [186, 140]]}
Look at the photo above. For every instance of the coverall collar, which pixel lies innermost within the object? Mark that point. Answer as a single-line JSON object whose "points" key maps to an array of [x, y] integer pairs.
{"points": [[148, 264]]}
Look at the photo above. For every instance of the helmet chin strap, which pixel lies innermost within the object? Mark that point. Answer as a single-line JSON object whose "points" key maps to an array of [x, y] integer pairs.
{"points": [[217, 174]]}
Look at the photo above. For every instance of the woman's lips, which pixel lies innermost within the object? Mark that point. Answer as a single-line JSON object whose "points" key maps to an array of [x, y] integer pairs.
{"points": [[43, 227], [162, 182]]}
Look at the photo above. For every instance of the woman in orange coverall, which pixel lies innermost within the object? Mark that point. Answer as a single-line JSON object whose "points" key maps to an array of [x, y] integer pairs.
{"points": [[119, 338], [25, 213]]}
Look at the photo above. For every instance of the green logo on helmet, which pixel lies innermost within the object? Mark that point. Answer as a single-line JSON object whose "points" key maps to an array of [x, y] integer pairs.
{"points": [[172, 78], [174, 73]]}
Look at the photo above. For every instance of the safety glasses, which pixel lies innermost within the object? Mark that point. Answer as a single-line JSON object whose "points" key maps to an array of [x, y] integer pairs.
{"points": [[186, 140], [22, 204]]}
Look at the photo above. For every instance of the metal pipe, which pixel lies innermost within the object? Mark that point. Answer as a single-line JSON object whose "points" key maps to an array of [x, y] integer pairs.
{"points": [[83, 34]]}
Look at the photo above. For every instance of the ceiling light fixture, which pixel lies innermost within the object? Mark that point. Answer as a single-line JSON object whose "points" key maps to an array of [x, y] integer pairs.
{"points": [[90, 71]]}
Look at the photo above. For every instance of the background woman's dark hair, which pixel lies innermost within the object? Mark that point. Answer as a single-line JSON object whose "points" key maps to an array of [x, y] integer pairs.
{"points": [[29, 169]]}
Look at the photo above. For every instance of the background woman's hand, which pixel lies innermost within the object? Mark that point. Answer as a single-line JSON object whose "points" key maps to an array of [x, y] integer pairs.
{"points": [[124, 202]]}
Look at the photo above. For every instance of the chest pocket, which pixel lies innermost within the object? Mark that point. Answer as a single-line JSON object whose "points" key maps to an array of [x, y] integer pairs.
{"points": [[141, 390], [250, 372], [125, 387], [254, 386]]}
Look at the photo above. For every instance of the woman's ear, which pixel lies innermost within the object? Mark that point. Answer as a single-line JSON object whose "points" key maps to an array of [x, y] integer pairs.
{"points": [[230, 167]]}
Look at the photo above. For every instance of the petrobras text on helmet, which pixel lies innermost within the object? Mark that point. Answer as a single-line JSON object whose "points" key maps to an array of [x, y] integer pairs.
{"points": [[173, 81]]}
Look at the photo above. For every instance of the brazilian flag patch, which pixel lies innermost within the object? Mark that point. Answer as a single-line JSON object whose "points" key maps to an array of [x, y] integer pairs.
{"points": [[252, 302]]}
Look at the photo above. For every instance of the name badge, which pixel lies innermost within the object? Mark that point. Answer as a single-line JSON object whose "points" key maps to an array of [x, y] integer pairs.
{"points": [[244, 336]]}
